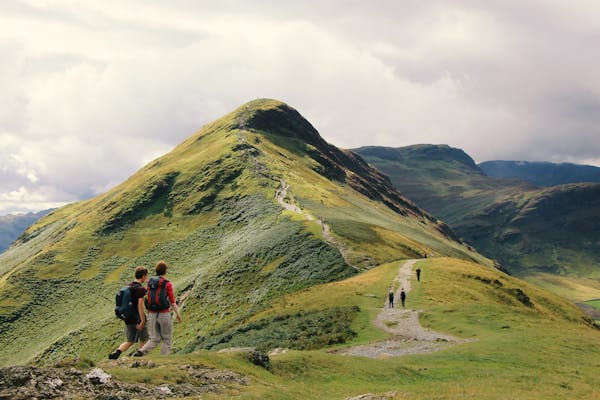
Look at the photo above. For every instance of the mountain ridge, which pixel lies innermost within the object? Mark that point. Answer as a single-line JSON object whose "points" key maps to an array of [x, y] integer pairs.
{"points": [[535, 233], [439, 151], [542, 173]]}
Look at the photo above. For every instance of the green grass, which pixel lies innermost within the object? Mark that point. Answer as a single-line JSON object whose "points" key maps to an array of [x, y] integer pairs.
{"points": [[302, 330], [594, 303], [572, 288], [366, 291], [527, 352]]}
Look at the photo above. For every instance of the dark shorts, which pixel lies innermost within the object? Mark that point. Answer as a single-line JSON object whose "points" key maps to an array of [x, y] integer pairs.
{"points": [[133, 335]]}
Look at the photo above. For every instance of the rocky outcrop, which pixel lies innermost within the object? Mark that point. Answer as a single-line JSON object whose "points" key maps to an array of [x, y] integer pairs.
{"points": [[28, 382]]}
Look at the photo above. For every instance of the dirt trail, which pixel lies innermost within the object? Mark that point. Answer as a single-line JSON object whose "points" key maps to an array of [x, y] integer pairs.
{"points": [[409, 337], [280, 195]]}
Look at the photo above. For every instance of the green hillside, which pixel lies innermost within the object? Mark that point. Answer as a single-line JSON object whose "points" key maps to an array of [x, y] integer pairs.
{"points": [[210, 209], [547, 235]]}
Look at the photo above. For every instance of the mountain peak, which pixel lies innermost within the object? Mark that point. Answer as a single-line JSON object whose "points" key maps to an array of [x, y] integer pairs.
{"points": [[276, 117]]}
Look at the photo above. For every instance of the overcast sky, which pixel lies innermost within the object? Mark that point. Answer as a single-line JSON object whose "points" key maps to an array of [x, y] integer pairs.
{"points": [[91, 91]]}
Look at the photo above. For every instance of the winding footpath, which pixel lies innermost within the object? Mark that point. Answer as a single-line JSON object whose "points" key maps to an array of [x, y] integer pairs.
{"points": [[408, 336], [280, 195]]}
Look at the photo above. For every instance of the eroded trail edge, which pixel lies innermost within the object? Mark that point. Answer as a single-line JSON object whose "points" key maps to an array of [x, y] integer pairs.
{"points": [[409, 337]]}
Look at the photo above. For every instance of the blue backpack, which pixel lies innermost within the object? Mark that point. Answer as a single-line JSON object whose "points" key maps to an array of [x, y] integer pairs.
{"points": [[124, 308]]}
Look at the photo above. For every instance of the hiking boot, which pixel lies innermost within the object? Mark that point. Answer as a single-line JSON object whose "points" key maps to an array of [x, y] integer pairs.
{"points": [[138, 354], [114, 355]]}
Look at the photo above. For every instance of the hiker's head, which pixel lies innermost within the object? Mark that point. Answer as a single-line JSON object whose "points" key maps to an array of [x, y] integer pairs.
{"points": [[161, 268], [141, 272]]}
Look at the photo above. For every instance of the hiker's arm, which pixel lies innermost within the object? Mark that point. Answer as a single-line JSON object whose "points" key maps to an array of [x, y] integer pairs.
{"points": [[174, 305], [177, 314], [142, 314]]}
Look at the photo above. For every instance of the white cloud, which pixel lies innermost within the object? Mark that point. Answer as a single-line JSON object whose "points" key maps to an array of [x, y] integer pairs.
{"points": [[92, 91], [24, 200]]}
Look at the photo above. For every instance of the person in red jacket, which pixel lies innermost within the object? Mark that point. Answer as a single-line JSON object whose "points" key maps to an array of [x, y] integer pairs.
{"points": [[160, 302]]}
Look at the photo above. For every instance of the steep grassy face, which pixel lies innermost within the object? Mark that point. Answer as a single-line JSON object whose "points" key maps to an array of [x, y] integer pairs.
{"points": [[534, 233], [209, 209]]}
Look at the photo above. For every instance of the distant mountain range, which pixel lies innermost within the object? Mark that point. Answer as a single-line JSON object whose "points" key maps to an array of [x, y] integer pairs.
{"points": [[548, 235], [541, 173], [12, 226]]}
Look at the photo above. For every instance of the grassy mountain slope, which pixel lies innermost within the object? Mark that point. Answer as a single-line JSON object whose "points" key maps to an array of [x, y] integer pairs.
{"points": [[548, 235], [542, 173], [209, 209], [543, 349], [11, 226]]}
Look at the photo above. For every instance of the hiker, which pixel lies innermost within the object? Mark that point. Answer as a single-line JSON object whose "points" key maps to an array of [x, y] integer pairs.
{"points": [[159, 303], [132, 312], [391, 297], [403, 296], [418, 274]]}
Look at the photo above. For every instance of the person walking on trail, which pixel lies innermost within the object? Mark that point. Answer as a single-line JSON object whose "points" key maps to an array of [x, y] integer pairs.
{"points": [[391, 297], [418, 274], [130, 308], [402, 296], [159, 302]]}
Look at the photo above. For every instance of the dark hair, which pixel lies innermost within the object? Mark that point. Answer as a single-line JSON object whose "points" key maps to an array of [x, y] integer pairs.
{"points": [[161, 268], [140, 272]]}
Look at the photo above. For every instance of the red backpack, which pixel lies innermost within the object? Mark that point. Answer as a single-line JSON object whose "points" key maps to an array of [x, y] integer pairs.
{"points": [[157, 299]]}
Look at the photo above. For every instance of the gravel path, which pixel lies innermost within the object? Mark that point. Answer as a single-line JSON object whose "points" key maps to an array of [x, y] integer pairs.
{"points": [[408, 336], [280, 195]]}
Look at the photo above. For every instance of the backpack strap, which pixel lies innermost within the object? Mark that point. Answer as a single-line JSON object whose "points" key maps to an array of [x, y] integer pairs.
{"points": [[162, 284]]}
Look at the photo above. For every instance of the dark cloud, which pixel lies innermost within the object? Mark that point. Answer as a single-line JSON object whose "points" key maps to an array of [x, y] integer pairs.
{"points": [[92, 91]]}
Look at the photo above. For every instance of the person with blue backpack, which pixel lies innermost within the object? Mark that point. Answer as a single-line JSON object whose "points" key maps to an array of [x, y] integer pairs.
{"points": [[160, 301], [130, 308]]}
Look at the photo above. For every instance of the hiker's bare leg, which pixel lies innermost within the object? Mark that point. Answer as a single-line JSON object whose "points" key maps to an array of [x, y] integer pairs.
{"points": [[124, 346]]}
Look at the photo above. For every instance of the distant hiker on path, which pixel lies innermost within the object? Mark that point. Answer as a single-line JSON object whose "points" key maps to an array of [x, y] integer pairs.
{"points": [[418, 274], [391, 297], [159, 303], [403, 296], [130, 308]]}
